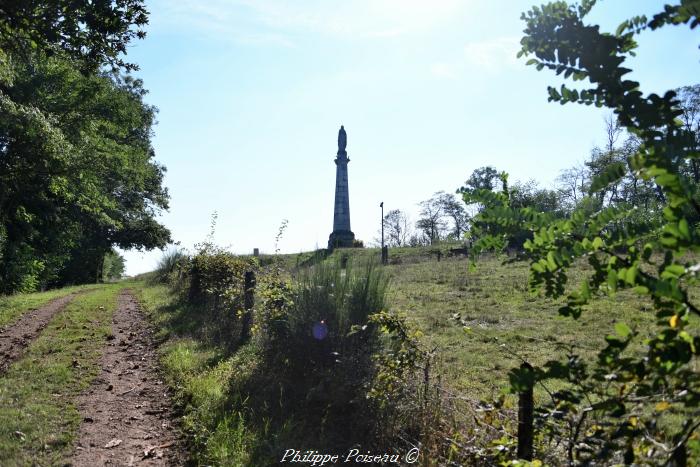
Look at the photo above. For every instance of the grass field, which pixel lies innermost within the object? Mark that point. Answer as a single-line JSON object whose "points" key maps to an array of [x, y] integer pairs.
{"points": [[202, 375], [507, 323]]}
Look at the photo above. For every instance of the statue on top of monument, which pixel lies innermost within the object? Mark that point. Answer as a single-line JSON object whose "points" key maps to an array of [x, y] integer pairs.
{"points": [[342, 139]]}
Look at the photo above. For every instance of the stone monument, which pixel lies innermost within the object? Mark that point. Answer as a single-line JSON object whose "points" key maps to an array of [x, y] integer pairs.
{"points": [[341, 236]]}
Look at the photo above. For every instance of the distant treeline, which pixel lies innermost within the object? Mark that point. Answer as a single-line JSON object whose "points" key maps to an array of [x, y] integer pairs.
{"points": [[445, 217], [77, 169]]}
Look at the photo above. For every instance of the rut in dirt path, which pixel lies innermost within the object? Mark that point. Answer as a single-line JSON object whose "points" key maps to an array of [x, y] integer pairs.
{"points": [[127, 416], [14, 338]]}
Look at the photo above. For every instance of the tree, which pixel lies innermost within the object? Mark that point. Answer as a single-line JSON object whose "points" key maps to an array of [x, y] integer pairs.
{"points": [[432, 218], [77, 174], [113, 266], [529, 194], [93, 32], [572, 186], [690, 116], [397, 228], [483, 178], [455, 210], [623, 406]]}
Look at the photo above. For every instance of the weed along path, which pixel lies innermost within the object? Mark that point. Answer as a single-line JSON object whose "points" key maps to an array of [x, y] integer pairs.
{"points": [[15, 338], [126, 412]]}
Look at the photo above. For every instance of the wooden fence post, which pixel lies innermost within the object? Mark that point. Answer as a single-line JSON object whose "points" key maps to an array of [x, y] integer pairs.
{"points": [[248, 300], [525, 419], [679, 458]]}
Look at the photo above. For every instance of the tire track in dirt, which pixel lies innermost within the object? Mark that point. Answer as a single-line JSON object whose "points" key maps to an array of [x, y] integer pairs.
{"points": [[16, 337], [127, 415]]}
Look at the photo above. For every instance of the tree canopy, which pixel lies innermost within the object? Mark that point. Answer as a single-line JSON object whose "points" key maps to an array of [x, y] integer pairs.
{"points": [[77, 169], [93, 32]]}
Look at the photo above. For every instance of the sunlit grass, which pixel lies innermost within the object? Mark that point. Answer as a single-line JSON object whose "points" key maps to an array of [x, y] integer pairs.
{"points": [[14, 306], [38, 416]]}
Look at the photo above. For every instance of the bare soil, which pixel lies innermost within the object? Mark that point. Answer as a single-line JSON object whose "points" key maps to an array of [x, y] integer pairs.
{"points": [[127, 415], [15, 337]]}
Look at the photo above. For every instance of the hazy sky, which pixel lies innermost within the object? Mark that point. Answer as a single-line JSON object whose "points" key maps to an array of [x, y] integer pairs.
{"points": [[252, 93]]}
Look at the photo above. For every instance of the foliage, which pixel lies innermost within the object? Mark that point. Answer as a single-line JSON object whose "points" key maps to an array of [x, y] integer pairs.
{"points": [[76, 176], [316, 353], [397, 364], [95, 33], [112, 266], [171, 267], [315, 319], [439, 215], [217, 276], [625, 406], [483, 178]]}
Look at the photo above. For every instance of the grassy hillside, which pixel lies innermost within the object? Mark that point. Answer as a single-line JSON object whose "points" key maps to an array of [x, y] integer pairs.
{"points": [[506, 322], [478, 324]]}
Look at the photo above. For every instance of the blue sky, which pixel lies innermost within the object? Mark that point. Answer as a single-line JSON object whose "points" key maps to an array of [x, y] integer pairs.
{"points": [[252, 92]]}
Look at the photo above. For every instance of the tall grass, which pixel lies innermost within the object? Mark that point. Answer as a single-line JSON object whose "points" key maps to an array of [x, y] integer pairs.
{"points": [[168, 265], [341, 297]]}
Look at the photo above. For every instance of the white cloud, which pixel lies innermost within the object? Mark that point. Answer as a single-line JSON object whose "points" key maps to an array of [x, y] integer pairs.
{"points": [[277, 21], [493, 54], [485, 56]]}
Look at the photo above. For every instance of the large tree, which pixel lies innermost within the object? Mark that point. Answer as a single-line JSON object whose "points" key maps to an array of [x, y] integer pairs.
{"points": [[432, 221], [77, 170]]}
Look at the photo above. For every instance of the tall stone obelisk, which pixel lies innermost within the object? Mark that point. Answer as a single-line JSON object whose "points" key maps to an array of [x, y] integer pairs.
{"points": [[341, 236]]}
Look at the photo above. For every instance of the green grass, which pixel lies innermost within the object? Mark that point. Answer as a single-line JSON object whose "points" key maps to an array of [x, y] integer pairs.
{"points": [[245, 405], [38, 417], [14, 306], [202, 374], [507, 324], [506, 321]]}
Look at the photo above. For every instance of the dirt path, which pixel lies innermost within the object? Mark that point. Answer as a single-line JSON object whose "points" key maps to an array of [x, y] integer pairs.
{"points": [[127, 419], [15, 337]]}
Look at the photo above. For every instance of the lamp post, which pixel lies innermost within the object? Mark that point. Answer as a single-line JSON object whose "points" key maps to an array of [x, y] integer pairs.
{"points": [[385, 250], [381, 205]]}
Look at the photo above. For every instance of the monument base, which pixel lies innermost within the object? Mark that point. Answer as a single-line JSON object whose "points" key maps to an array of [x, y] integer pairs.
{"points": [[341, 239]]}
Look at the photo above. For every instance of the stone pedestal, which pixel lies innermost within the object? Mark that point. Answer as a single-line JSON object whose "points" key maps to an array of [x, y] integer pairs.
{"points": [[341, 239]]}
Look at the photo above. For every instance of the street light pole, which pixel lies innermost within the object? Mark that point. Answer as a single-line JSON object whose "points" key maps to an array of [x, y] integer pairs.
{"points": [[381, 205], [385, 250]]}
